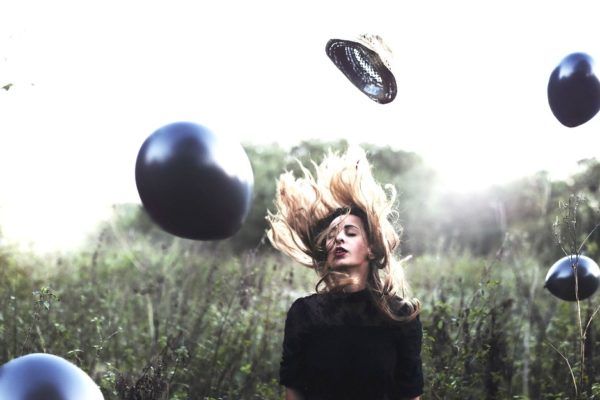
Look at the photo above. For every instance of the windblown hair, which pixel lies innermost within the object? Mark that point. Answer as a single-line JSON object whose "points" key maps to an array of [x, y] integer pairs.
{"points": [[305, 207]]}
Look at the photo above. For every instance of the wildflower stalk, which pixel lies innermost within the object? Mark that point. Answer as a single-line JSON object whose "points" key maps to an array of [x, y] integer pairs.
{"points": [[574, 251]]}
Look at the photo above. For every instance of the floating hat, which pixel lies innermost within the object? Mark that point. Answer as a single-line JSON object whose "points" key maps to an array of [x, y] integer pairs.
{"points": [[366, 63]]}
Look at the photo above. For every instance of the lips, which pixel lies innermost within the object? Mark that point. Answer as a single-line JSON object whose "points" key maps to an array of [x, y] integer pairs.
{"points": [[340, 252]]}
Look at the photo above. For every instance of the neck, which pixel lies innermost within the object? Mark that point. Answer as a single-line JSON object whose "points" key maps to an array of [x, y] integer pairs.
{"points": [[359, 278], [354, 288]]}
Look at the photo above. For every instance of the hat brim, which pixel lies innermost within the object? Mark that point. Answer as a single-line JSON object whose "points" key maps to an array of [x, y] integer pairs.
{"points": [[364, 68]]}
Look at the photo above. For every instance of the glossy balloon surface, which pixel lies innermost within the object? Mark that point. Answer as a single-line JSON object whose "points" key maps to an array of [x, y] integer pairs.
{"points": [[560, 279], [194, 184], [45, 377], [574, 90]]}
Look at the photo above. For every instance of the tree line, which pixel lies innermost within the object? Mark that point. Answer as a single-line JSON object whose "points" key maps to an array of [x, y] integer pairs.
{"points": [[432, 221]]}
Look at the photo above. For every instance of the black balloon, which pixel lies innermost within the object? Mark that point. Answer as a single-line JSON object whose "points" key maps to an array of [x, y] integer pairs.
{"points": [[45, 377], [574, 90], [560, 279], [194, 184]]}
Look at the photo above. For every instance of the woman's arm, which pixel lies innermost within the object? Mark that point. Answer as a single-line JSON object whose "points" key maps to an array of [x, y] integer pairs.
{"points": [[291, 370], [409, 378], [291, 394]]}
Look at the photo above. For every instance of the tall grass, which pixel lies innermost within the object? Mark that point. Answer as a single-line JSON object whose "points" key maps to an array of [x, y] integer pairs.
{"points": [[492, 330], [166, 318]]}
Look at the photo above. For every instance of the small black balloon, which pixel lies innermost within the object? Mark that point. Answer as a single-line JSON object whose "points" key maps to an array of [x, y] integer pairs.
{"points": [[41, 376], [194, 184], [560, 279], [574, 90]]}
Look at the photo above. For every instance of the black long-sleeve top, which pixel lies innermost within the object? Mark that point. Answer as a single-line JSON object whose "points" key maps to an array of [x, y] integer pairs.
{"points": [[339, 346]]}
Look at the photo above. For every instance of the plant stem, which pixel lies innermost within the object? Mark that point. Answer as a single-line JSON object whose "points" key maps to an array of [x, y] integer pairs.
{"points": [[581, 331], [570, 369]]}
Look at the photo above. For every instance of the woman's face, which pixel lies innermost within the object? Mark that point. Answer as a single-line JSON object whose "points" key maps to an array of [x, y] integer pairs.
{"points": [[347, 244]]}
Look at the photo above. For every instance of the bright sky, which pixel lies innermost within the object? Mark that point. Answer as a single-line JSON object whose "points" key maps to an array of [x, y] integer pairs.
{"points": [[92, 79]]}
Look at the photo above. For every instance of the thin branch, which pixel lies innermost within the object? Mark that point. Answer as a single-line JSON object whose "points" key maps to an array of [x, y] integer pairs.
{"points": [[591, 318], [587, 237], [569, 365]]}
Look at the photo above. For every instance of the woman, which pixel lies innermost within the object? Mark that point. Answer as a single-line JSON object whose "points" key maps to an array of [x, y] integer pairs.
{"points": [[359, 336]]}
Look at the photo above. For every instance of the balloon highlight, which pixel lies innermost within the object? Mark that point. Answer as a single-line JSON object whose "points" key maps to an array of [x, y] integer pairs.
{"points": [[40, 376]]}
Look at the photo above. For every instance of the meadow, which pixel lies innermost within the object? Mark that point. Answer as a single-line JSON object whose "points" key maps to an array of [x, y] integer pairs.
{"points": [[151, 316], [183, 320]]}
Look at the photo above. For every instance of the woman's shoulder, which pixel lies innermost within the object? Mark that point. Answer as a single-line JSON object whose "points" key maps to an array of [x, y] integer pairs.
{"points": [[319, 306], [302, 302], [303, 308]]}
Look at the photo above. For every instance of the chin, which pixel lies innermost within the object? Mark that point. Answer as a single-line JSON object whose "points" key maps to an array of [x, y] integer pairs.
{"points": [[339, 265]]}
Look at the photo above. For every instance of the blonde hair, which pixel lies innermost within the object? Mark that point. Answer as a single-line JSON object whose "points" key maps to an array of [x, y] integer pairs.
{"points": [[342, 184]]}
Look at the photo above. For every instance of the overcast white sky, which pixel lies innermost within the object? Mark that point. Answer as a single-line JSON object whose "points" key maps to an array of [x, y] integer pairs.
{"points": [[92, 79]]}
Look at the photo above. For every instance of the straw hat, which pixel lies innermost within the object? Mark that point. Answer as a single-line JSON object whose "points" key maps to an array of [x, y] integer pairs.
{"points": [[366, 63]]}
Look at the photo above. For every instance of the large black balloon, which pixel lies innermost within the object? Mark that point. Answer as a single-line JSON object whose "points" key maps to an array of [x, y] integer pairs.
{"points": [[194, 184], [560, 279], [41, 376], [574, 90]]}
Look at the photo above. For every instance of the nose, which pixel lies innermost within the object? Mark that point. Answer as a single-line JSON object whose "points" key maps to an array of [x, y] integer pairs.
{"points": [[339, 237]]}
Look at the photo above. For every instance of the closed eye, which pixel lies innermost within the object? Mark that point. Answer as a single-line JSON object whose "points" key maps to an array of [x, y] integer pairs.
{"points": [[351, 230]]}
